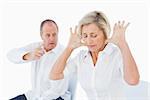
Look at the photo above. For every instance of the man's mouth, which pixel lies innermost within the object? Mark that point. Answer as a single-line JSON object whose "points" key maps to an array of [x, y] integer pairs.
{"points": [[51, 43]]}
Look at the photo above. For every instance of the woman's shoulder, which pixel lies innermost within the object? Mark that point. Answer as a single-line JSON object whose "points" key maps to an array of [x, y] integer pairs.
{"points": [[79, 53], [111, 49], [84, 51]]}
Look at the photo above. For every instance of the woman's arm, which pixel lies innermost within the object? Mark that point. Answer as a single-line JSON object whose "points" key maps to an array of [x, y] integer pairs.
{"points": [[56, 72], [59, 66], [131, 74]]}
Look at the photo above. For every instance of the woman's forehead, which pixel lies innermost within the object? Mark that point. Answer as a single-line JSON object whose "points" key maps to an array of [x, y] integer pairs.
{"points": [[90, 28]]}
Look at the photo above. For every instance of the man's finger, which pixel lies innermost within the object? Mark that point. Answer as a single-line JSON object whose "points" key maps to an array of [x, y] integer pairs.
{"points": [[38, 55], [41, 52]]}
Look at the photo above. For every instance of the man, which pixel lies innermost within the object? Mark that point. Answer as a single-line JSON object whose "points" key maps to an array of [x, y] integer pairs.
{"points": [[43, 55]]}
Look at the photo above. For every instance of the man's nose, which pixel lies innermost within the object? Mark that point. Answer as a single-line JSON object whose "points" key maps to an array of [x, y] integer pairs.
{"points": [[51, 38]]}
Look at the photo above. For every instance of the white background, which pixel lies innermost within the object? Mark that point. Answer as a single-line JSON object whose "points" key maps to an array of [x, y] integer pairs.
{"points": [[20, 22]]}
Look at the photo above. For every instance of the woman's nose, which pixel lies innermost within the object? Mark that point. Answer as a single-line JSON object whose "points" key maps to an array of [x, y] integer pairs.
{"points": [[88, 40]]}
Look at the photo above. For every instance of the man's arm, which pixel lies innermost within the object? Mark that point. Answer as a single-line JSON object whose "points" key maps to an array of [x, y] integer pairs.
{"points": [[25, 54]]}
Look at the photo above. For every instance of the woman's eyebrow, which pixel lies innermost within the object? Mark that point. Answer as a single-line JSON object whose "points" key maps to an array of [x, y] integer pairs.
{"points": [[92, 33], [83, 33]]}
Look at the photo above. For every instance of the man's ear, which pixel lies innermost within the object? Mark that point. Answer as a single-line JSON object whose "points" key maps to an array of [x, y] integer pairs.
{"points": [[41, 36]]}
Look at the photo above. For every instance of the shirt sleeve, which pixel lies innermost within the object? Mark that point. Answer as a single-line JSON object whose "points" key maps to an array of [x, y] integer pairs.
{"points": [[120, 61], [62, 86], [58, 88], [16, 55], [71, 68]]}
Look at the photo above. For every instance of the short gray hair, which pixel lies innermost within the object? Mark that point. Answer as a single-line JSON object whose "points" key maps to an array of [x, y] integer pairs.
{"points": [[97, 18]]}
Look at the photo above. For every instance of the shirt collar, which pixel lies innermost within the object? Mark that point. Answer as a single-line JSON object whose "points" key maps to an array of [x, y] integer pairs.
{"points": [[55, 50], [110, 47]]}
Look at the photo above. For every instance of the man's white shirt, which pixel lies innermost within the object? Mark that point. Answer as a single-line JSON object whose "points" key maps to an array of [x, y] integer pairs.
{"points": [[42, 87]]}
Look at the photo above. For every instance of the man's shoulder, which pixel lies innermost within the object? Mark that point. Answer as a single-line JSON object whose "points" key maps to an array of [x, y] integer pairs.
{"points": [[34, 44]]}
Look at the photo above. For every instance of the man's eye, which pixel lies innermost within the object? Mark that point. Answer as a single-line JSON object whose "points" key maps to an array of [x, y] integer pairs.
{"points": [[54, 34], [48, 35]]}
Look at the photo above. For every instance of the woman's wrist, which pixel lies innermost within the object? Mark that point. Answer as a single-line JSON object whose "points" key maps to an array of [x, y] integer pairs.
{"points": [[122, 45], [69, 48]]}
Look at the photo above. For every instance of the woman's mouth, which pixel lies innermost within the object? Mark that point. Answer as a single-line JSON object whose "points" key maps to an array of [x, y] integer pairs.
{"points": [[91, 46]]}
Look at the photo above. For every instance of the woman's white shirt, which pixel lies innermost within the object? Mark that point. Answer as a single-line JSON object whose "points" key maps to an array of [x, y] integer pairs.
{"points": [[104, 80]]}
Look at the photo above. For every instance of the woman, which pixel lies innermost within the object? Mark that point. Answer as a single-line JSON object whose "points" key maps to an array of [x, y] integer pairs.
{"points": [[101, 67]]}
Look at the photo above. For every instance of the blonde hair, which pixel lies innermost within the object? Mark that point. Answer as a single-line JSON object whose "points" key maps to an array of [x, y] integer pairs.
{"points": [[97, 18]]}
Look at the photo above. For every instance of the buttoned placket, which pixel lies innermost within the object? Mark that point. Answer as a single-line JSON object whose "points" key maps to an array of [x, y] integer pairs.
{"points": [[40, 73], [94, 67]]}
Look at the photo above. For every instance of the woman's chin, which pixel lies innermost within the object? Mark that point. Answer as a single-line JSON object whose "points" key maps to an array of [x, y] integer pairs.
{"points": [[92, 49]]}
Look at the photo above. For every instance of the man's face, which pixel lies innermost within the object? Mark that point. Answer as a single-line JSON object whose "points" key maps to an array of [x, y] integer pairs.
{"points": [[49, 35]]}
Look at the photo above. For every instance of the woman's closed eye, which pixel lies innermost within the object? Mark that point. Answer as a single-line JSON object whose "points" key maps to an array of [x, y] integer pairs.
{"points": [[93, 35], [84, 35]]}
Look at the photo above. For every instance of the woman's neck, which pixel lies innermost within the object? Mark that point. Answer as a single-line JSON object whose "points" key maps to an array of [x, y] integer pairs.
{"points": [[94, 57], [95, 54]]}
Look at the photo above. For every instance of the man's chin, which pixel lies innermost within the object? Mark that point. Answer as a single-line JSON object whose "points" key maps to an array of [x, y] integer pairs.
{"points": [[51, 47]]}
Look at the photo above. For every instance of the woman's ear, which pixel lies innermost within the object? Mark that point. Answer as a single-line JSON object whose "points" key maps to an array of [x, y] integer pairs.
{"points": [[106, 41], [82, 41]]}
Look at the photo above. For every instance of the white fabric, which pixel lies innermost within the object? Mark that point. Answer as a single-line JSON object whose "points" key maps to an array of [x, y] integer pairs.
{"points": [[42, 87], [102, 81], [138, 92]]}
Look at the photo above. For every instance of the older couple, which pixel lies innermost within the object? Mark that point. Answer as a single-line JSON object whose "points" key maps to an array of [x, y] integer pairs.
{"points": [[100, 69]]}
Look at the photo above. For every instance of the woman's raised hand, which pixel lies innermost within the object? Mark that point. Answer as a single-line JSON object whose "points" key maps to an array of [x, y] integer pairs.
{"points": [[75, 39], [118, 36]]}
